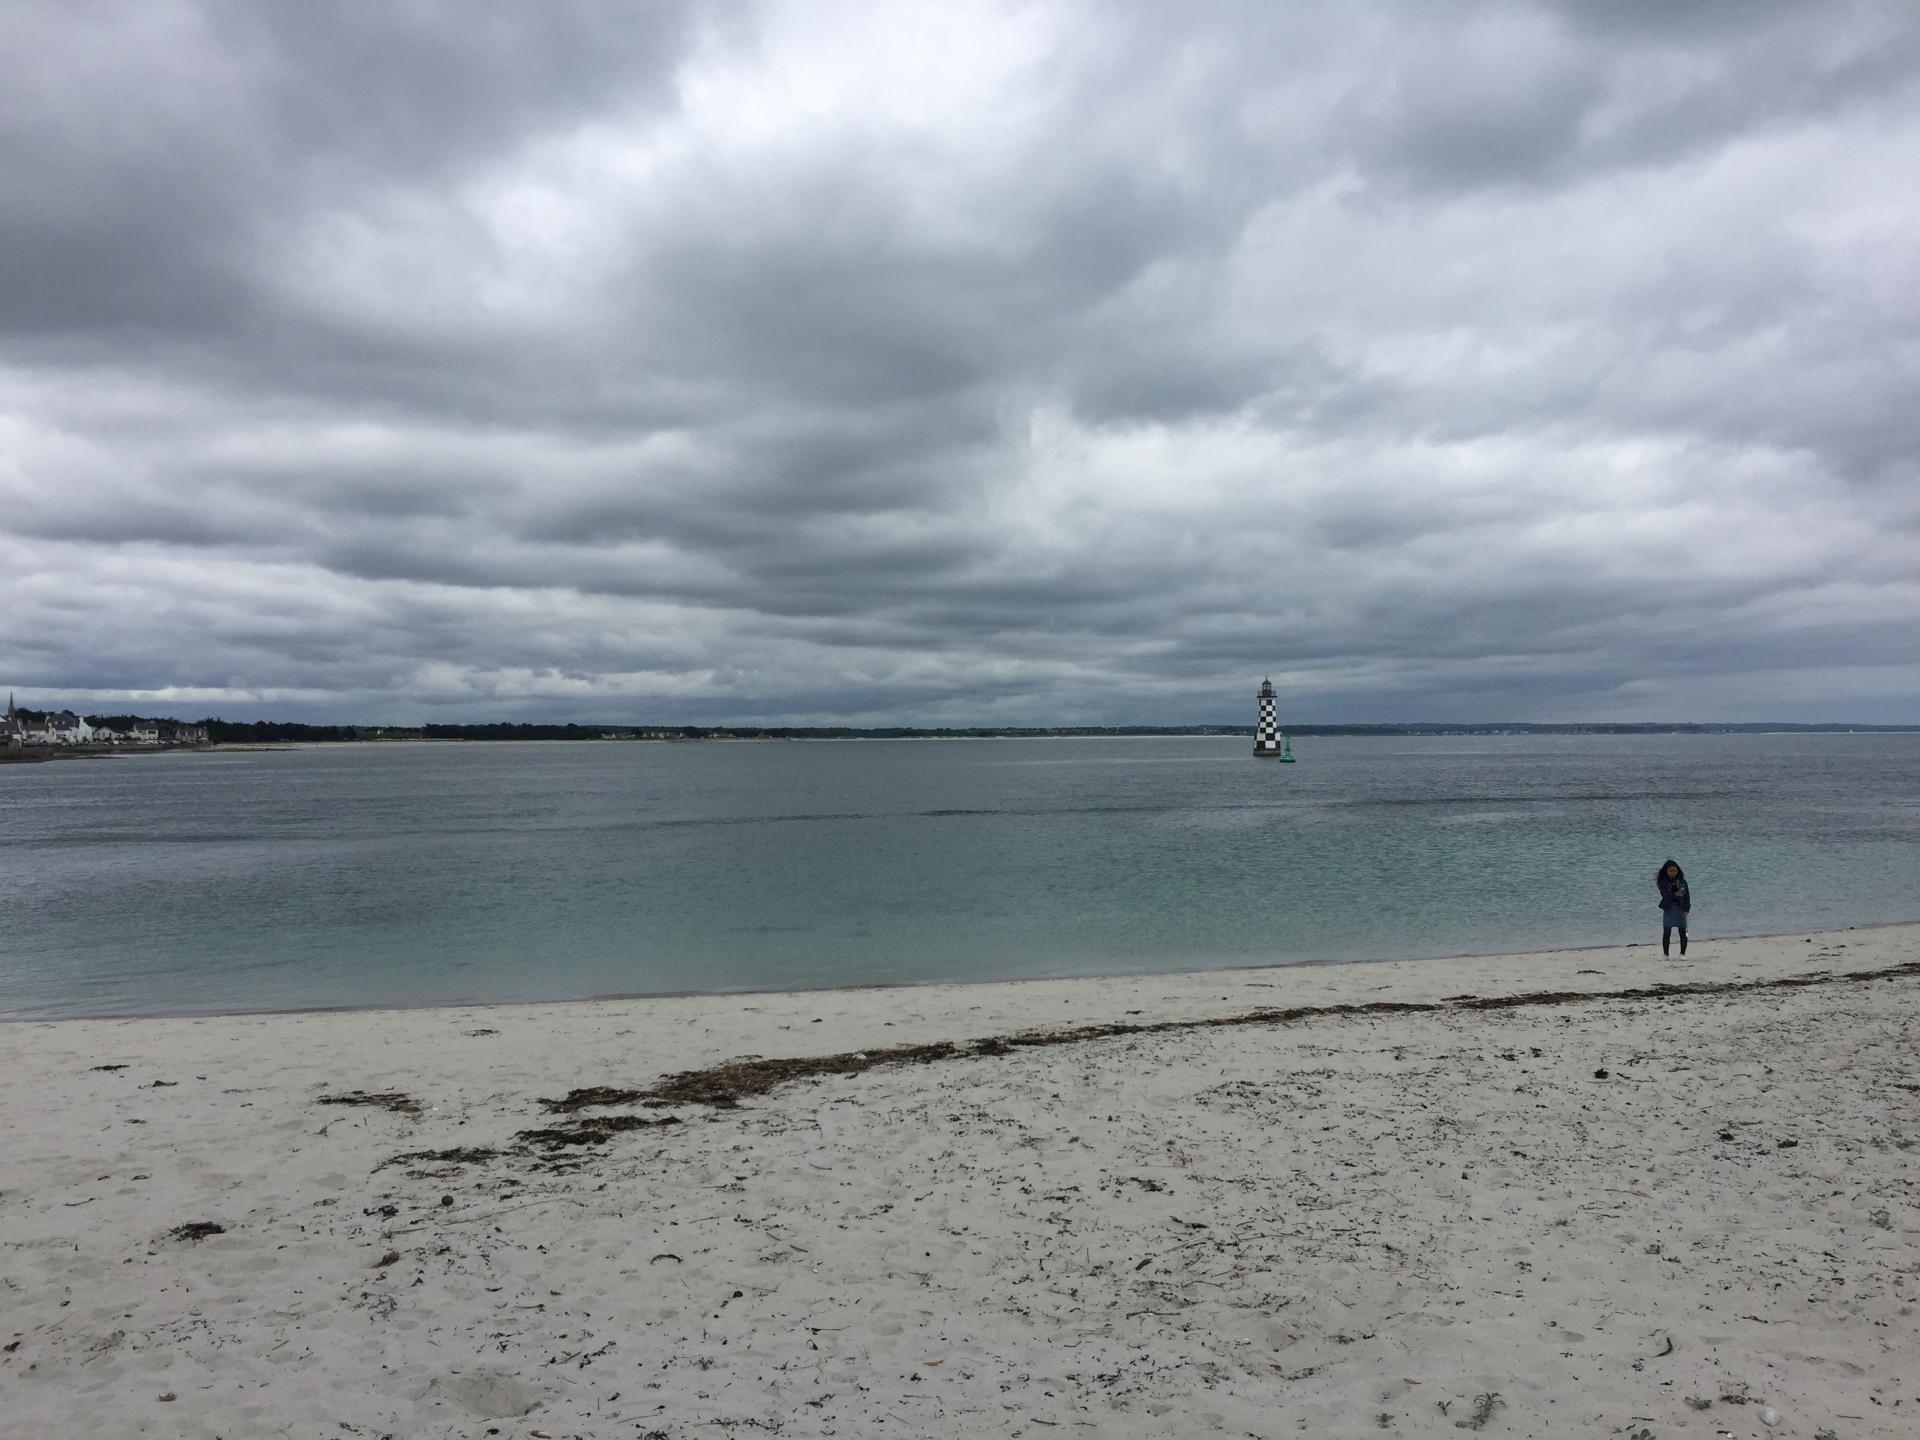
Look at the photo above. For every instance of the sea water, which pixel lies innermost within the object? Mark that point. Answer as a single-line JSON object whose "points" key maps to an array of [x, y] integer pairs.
{"points": [[417, 873]]}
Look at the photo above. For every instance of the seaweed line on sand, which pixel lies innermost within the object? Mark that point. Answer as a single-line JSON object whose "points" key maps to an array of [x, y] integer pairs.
{"points": [[374, 1100], [724, 1086], [460, 1155]]}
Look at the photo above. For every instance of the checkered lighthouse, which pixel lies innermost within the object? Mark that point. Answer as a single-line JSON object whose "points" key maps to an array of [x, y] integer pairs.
{"points": [[1266, 734]]}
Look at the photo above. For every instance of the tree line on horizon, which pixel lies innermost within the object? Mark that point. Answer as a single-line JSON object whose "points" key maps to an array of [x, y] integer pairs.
{"points": [[270, 732], [292, 732]]}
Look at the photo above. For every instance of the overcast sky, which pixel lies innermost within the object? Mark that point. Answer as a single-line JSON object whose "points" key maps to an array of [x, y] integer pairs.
{"points": [[961, 363]]}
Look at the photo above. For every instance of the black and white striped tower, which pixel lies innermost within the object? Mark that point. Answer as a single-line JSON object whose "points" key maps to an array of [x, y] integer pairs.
{"points": [[1266, 734]]}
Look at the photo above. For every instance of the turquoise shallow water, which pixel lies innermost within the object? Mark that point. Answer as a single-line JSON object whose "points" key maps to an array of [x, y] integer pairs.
{"points": [[408, 875]]}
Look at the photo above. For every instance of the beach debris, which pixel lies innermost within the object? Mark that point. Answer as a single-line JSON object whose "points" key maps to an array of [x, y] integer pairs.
{"points": [[446, 1202], [163, 1085], [666, 1255], [382, 1100], [1882, 1218], [723, 1087], [380, 1307], [593, 1130], [392, 1257], [1788, 1144], [476, 1034], [460, 1155], [1484, 1404], [1697, 1403], [109, 1068], [591, 1096], [1600, 1074], [196, 1231], [1769, 1416], [167, 1397]]}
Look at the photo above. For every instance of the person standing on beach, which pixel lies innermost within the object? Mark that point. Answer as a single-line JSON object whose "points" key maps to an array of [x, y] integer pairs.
{"points": [[1675, 902]]}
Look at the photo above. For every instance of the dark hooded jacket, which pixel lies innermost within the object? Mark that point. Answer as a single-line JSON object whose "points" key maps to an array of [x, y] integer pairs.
{"points": [[1673, 888]]}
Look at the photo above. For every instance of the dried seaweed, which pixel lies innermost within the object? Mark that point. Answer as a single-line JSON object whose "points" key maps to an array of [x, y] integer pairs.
{"points": [[724, 1086], [196, 1232], [593, 1095], [462, 1155], [383, 1100], [594, 1130]]}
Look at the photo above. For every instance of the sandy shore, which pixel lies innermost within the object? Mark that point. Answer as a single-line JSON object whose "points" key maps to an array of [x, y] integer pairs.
{"points": [[1669, 1210]]}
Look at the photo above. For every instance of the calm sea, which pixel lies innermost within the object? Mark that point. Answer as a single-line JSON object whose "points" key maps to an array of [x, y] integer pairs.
{"points": [[445, 873]]}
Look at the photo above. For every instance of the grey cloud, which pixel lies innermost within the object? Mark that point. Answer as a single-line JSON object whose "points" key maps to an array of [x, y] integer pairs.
{"points": [[154, 154], [1078, 365], [1504, 99], [424, 87]]}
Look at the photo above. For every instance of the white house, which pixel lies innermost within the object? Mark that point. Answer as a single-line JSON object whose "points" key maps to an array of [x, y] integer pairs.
{"points": [[70, 729]]}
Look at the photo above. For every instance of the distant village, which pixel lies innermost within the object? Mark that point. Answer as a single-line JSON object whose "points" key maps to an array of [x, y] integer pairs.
{"points": [[48, 734], [21, 729]]}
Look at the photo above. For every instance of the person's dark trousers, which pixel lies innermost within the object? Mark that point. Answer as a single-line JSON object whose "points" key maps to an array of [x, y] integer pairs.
{"points": [[1666, 940]]}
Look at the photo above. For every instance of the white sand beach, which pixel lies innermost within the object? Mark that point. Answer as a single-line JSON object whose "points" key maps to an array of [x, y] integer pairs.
{"points": [[1569, 1217]]}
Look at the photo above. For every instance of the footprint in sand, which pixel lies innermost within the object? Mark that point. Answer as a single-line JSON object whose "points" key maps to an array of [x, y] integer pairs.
{"points": [[491, 1394]]}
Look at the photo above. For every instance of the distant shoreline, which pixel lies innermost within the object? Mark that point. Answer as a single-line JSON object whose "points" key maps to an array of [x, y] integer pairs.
{"points": [[37, 754], [712, 735]]}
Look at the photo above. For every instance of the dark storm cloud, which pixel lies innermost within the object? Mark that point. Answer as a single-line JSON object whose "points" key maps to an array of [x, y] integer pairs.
{"points": [[153, 152], [960, 364]]}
